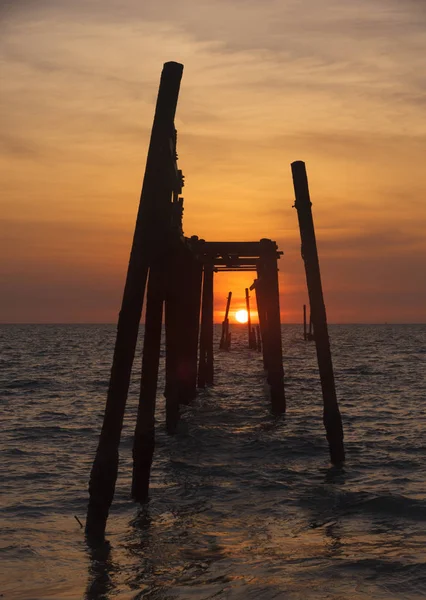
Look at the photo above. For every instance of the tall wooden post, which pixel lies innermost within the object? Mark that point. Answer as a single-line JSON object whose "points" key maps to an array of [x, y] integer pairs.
{"points": [[205, 368], [332, 418], [144, 440], [305, 335], [151, 231], [275, 369]]}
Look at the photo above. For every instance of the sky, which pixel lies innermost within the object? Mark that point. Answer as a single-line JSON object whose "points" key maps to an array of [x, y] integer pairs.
{"points": [[339, 84]]}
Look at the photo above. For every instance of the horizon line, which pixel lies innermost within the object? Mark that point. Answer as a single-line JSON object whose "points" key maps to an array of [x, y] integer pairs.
{"points": [[215, 323]]}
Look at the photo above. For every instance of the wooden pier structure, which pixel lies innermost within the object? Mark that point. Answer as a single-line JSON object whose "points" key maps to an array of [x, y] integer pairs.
{"points": [[174, 276]]}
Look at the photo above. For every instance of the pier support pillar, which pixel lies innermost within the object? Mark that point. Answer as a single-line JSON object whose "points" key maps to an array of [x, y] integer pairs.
{"points": [[144, 440], [205, 368], [250, 330], [261, 311], [275, 369]]}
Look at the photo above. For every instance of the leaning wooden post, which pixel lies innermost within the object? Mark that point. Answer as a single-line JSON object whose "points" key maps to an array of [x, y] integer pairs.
{"points": [[144, 440], [224, 339], [150, 233], [332, 418], [305, 335]]}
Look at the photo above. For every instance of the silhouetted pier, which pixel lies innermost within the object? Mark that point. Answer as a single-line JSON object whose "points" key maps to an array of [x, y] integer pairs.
{"points": [[174, 275]]}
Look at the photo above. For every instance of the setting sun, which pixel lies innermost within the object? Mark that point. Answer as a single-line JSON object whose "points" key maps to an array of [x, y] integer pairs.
{"points": [[241, 316]]}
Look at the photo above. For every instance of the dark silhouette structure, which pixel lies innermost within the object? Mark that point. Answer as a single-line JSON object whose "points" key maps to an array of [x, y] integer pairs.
{"points": [[175, 276], [331, 415], [225, 338]]}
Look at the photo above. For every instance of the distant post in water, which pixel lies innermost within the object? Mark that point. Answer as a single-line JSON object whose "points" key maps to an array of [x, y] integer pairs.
{"points": [[305, 335], [249, 329], [331, 416], [225, 339]]}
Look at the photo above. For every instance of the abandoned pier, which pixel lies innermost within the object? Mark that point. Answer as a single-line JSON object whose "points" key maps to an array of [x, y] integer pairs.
{"points": [[174, 275]]}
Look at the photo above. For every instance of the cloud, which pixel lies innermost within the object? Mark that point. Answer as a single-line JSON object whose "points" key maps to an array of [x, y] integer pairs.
{"points": [[339, 85]]}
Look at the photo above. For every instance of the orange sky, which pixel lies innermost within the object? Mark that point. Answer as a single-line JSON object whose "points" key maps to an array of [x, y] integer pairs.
{"points": [[337, 84]]}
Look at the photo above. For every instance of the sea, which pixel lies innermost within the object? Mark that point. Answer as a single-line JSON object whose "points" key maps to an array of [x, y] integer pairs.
{"points": [[243, 505]]}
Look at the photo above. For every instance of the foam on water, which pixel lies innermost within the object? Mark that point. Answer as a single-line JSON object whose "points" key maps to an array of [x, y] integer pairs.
{"points": [[243, 505]]}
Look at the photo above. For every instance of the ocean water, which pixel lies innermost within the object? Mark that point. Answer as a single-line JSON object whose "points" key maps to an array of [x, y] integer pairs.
{"points": [[243, 505]]}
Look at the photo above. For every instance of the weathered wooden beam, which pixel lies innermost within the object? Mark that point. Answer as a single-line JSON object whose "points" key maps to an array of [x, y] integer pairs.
{"points": [[151, 231], [241, 249], [331, 415], [235, 262], [229, 269]]}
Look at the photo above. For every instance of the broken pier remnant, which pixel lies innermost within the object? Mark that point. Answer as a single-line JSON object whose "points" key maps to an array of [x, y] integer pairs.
{"points": [[162, 181], [331, 416]]}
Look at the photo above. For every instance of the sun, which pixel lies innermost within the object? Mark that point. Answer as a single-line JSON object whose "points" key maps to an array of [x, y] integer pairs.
{"points": [[241, 316]]}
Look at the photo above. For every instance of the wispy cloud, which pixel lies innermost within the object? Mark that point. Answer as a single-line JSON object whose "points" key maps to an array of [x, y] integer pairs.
{"points": [[340, 85]]}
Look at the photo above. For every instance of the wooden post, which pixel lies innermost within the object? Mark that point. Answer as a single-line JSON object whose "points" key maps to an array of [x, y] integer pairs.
{"points": [[261, 311], [224, 339], [183, 302], [205, 368], [209, 274], [310, 332], [173, 331], [183, 297], [193, 307], [275, 369], [151, 231], [305, 336], [250, 333], [144, 440], [258, 339], [332, 418]]}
